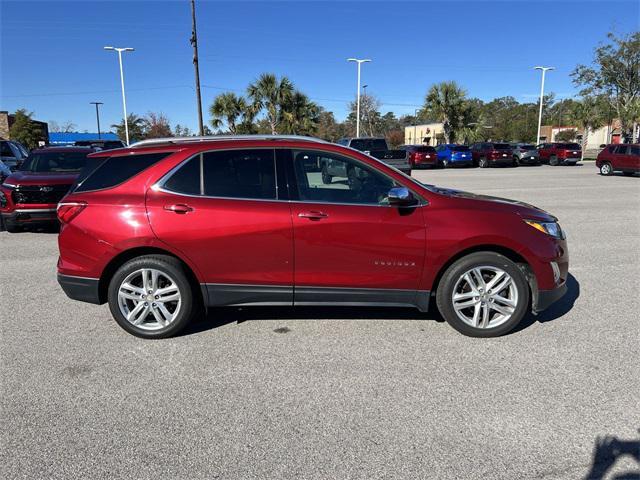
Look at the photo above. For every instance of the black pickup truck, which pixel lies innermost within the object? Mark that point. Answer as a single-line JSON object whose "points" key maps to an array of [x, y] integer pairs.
{"points": [[378, 148]]}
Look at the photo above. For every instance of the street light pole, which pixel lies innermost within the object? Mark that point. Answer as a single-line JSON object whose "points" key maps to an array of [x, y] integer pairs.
{"points": [[359, 62], [544, 71], [97, 104], [124, 98], [415, 126], [194, 42]]}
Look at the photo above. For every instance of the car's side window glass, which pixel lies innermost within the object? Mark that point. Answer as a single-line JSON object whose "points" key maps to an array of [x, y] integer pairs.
{"points": [[249, 174], [635, 151], [5, 150], [332, 178], [186, 179]]}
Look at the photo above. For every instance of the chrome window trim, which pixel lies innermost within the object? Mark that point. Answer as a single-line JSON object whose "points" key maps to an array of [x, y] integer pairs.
{"points": [[158, 186], [34, 210]]}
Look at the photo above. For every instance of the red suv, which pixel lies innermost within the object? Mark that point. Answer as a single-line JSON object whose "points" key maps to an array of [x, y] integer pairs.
{"points": [[560, 153], [487, 154], [167, 227], [29, 196], [421, 156], [623, 158]]}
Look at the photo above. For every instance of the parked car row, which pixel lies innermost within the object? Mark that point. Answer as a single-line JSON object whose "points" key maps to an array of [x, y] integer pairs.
{"points": [[488, 154]]}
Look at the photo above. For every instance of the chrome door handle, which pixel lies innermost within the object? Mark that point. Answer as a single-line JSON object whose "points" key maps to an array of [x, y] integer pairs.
{"points": [[179, 208], [313, 215]]}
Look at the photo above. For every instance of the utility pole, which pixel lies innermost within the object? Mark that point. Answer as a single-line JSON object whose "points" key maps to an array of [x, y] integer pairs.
{"points": [[194, 43], [97, 104], [359, 62], [544, 70]]}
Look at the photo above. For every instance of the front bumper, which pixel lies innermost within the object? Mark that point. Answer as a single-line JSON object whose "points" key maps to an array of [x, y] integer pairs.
{"points": [[546, 297], [80, 288], [30, 217]]}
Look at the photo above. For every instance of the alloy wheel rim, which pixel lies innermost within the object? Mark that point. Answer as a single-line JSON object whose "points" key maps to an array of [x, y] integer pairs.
{"points": [[605, 168], [485, 297], [149, 299]]}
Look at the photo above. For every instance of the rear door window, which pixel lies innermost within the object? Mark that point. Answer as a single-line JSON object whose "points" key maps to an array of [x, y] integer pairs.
{"points": [[246, 174], [113, 171]]}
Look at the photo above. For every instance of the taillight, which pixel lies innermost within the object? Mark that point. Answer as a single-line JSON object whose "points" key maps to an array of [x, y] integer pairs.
{"points": [[67, 211]]}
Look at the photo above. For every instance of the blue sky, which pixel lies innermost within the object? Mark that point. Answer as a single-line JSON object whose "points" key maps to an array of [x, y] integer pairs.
{"points": [[52, 61]]}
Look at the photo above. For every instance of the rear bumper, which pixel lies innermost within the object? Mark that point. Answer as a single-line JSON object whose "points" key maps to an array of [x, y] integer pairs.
{"points": [[548, 297], [80, 288]]}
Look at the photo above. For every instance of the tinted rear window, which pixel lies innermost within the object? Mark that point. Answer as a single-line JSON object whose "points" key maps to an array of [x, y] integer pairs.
{"points": [[425, 149], [635, 151], [569, 146], [55, 162], [527, 147], [501, 146], [460, 148], [240, 174], [369, 144], [115, 170]]}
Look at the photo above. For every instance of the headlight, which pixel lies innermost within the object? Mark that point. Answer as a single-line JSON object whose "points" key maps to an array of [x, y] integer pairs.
{"points": [[10, 186], [550, 228]]}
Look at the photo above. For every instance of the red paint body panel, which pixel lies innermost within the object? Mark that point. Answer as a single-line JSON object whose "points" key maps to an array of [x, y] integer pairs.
{"points": [[620, 161]]}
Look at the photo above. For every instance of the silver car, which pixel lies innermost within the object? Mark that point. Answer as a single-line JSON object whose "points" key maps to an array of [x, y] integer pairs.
{"points": [[12, 153], [525, 154]]}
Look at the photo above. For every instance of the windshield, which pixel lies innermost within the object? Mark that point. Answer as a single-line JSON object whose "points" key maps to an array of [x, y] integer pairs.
{"points": [[369, 144], [55, 162], [460, 148]]}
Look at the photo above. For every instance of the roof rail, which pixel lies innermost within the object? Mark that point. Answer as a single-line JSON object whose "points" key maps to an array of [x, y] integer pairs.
{"points": [[209, 138]]}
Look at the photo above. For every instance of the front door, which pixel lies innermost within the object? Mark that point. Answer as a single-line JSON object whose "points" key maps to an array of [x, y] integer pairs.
{"points": [[221, 210], [351, 246]]}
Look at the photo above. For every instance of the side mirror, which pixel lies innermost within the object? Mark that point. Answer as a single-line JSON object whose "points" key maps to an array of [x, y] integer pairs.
{"points": [[603, 146], [401, 197]]}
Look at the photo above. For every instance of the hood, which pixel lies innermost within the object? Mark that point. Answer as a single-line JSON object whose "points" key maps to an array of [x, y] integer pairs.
{"points": [[42, 178], [484, 202]]}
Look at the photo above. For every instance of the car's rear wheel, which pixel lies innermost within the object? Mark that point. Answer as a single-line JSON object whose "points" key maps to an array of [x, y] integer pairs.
{"points": [[516, 161], [483, 163], [150, 296], [606, 169], [326, 178], [445, 163], [553, 161], [483, 295]]}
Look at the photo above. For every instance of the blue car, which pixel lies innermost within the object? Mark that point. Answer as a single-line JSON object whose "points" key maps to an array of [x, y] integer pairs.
{"points": [[451, 154]]}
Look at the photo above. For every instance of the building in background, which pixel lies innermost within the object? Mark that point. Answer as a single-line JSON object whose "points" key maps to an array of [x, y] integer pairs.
{"points": [[428, 134], [69, 138], [7, 119]]}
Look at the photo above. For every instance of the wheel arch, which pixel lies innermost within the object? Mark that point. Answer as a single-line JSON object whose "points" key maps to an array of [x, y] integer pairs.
{"points": [[511, 254], [116, 262]]}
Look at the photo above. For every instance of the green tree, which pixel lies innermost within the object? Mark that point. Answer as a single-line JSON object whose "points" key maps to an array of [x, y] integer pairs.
{"points": [[587, 116], [271, 94], [137, 128], [615, 75], [24, 130], [300, 116], [180, 131], [231, 110], [568, 135], [329, 128], [445, 103]]}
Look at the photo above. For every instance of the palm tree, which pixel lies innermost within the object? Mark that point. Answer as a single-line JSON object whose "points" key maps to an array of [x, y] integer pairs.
{"points": [[586, 115], [300, 116], [445, 101], [271, 94], [137, 128], [227, 108]]}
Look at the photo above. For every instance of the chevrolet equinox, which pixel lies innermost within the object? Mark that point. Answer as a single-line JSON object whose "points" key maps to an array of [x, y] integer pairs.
{"points": [[168, 227]]}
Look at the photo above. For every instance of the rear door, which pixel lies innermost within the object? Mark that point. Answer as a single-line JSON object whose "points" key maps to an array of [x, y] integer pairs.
{"points": [[351, 246], [222, 210], [634, 157]]}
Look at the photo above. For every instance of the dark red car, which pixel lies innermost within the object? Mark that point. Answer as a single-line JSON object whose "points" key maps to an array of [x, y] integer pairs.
{"points": [[488, 154], [28, 197], [166, 228], [421, 156], [560, 153], [619, 158]]}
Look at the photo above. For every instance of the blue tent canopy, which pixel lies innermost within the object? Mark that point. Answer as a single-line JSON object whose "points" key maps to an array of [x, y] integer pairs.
{"points": [[59, 138]]}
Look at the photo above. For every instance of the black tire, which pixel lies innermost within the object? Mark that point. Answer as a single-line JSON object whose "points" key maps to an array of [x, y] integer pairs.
{"points": [[11, 228], [326, 178], [553, 161], [606, 169], [516, 161], [483, 163], [448, 281], [165, 264]]}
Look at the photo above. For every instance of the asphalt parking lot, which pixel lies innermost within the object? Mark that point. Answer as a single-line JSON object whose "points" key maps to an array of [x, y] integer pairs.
{"points": [[338, 393]]}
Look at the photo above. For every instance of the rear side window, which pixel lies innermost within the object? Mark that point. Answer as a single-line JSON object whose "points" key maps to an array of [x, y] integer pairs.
{"points": [[115, 170], [635, 151], [187, 179], [247, 174]]}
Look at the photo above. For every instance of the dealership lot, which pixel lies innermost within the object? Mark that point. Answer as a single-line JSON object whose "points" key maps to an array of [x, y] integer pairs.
{"points": [[336, 393]]}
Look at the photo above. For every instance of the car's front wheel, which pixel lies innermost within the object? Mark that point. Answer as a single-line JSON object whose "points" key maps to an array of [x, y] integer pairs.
{"points": [[483, 295], [606, 169], [483, 163], [150, 296]]}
